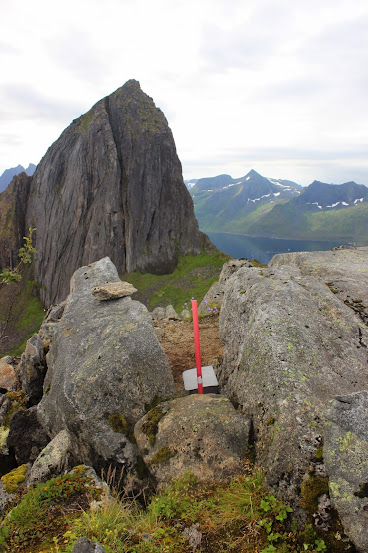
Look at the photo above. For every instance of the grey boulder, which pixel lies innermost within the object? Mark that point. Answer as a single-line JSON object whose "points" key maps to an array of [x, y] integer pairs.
{"points": [[104, 365], [291, 345], [84, 545], [200, 433]]}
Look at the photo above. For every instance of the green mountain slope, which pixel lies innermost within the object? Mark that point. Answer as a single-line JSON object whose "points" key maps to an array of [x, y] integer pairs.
{"points": [[288, 221]]}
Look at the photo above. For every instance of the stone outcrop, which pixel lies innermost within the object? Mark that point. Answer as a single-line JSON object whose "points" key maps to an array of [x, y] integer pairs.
{"points": [[164, 313], [111, 185], [346, 457], [202, 433], [291, 345], [344, 270], [105, 365], [215, 294], [113, 291]]}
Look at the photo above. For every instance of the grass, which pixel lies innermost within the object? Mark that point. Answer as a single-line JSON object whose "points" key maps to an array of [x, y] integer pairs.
{"points": [[26, 315], [193, 277], [239, 515]]}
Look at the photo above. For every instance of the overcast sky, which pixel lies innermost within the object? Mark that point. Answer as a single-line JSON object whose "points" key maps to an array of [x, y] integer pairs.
{"points": [[278, 86]]}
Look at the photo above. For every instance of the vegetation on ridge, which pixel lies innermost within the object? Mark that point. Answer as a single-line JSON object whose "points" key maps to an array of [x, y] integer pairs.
{"points": [[239, 515], [193, 277]]}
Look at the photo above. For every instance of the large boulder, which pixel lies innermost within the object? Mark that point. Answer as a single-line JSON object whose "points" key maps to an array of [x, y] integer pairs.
{"points": [[344, 270], [215, 294], [291, 345], [346, 456], [200, 433], [26, 437], [105, 365]]}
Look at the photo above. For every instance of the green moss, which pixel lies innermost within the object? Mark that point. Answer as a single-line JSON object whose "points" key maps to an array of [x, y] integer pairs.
{"points": [[162, 455], [86, 119], [14, 478], [150, 426], [156, 400], [270, 421], [318, 454], [18, 401], [119, 423], [257, 263], [311, 490]]}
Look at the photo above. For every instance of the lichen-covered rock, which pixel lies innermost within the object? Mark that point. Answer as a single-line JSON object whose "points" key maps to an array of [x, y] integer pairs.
{"points": [[53, 460], [291, 345], [8, 376], [215, 294], [33, 369], [113, 290], [346, 457], [343, 270], [200, 433], [104, 365], [26, 437]]}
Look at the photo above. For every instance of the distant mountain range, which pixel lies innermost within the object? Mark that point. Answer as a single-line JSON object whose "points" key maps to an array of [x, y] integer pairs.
{"points": [[8, 174], [259, 206]]}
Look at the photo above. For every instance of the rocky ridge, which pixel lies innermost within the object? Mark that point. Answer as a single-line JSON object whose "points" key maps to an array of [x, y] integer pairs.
{"points": [[294, 365]]}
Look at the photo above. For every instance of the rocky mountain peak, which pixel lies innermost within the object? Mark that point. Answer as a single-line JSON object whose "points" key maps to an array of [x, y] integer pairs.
{"points": [[111, 185]]}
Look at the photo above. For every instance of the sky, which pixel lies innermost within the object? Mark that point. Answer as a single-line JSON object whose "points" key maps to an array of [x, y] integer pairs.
{"points": [[276, 86]]}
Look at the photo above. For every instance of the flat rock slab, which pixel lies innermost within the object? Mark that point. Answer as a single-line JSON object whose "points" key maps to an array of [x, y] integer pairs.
{"points": [[200, 433], [113, 290]]}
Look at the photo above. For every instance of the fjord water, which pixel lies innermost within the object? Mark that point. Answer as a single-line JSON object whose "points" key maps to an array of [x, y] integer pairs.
{"points": [[263, 249]]}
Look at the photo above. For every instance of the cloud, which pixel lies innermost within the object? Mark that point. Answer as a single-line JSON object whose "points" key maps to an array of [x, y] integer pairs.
{"points": [[8, 49], [78, 55], [25, 101]]}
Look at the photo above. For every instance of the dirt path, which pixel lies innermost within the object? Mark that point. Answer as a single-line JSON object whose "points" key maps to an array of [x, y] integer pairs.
{"points": [[177, 340]]}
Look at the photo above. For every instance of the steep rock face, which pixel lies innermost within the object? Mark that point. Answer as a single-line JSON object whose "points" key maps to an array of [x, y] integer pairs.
{"points": [[13, 207], [291, 345], [111, 185]]}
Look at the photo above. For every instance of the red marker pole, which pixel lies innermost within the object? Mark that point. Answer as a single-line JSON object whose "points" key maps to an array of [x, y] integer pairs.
{"points": [[197, 347]]}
